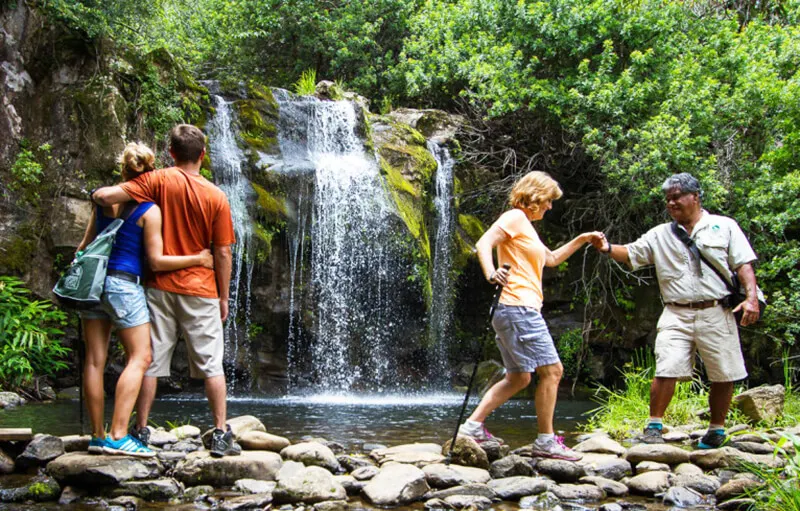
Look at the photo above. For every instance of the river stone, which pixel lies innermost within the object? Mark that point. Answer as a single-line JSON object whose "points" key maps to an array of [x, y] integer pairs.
{"points": [[350, 484], [701, 483], [311, 484], [40, 450], [170, 458], [611, 487], [254, 486], [682, 497], [651, 466], [611, 506], [754, 447], [160, 437], [261, 441], [604, 465], [737, 505], [74, 443], [200, 467], [510, 488], [662, 453], [39, 489], [396, 484], [254, 501], [582, 492], [762, 403], [728, 457], [675, 437], [197, 492], [150, 490], [544, 501], [649, 483], [512, 465], [601, 444], [365, 473], [467, 452], [467, 489], [437, 504], [418, 455], [10, 400], [85, 469], [688, 469], [379, 454], [560, 470], [440, 475], [6, 463], [186, 446], [312, 453], [735, 488], [70, 495], [469, 501], [495, 450], [331, 505], [239, 425], [353, 463], [289, 469], [185, 431]]}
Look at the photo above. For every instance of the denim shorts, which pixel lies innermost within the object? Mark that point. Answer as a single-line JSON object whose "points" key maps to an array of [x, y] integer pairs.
{"points": [[123, 304], [523, 339]]}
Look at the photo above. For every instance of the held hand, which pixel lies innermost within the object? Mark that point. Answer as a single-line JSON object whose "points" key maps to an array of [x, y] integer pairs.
{"points": [[596, 238], [499, 276], [600, 242], [750, 311], [206, 259], [223, 309]]}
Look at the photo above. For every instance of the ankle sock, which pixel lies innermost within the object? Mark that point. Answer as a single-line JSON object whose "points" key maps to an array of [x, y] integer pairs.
{"points": [[655, 422], [716, 427], [545, 438], [472, 425]]}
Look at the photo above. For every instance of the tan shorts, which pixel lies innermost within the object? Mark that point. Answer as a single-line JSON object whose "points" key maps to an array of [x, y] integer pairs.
{"points": [[712, 332], [198, 320]]}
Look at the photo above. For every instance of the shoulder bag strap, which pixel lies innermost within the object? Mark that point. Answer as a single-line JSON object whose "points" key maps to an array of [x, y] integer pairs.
{"points": [[695, 250]]}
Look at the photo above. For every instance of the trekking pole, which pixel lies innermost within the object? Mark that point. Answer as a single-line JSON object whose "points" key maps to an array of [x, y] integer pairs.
{"points": [[81, 354], [498, 289]]}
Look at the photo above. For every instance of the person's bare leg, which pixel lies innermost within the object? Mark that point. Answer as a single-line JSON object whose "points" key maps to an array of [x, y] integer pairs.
{"points": [[661, 391], [546, 395], [137, 346], [719, 400], [144, 403], [97, 333], [217, 395], [500, 392]]}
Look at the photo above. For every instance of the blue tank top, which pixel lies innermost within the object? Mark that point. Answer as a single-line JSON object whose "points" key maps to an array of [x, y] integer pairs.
{"points": [[128, 252]]}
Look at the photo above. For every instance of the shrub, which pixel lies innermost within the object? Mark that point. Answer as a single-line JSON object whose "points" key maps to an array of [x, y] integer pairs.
{"points": [[307, 84]]}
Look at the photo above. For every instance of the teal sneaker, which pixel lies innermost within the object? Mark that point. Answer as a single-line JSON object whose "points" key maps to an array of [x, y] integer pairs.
{"points": [[96, 445], [127, 445], [713, 439]]}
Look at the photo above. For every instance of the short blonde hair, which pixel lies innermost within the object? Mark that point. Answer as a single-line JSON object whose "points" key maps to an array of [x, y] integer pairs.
{"points": [[533, 189], [136, 159]]}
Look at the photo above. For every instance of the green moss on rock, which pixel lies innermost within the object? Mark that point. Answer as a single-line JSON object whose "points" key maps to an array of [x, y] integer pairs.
{"points": [[270, 208], [258, 118], [472, 226]]}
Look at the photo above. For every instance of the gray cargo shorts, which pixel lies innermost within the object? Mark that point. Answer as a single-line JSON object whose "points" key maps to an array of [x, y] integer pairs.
{"points": [[523, 339]]}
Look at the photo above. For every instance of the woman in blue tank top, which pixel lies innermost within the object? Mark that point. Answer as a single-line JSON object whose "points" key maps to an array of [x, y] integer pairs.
{"points": [[124, 306]]}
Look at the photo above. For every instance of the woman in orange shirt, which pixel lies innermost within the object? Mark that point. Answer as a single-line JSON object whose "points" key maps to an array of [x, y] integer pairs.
{"points": [[521, 333]]}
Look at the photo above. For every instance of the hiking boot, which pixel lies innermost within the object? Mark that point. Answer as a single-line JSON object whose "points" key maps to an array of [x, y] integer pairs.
{"points": [[142, 435], [480, 435], [96, 445], [652, 435], [554, 449], [223, 444], [128, 446], [713, 439]]}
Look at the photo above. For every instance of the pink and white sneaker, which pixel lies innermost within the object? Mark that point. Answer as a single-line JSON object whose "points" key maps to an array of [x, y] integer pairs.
{"points": [[480, 435], [554, 449]]}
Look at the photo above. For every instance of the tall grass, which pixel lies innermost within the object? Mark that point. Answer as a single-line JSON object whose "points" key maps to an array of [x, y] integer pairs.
{"points": [[781, 488], [307, 84]]}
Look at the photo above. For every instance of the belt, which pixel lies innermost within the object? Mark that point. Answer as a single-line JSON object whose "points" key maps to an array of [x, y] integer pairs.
{"points": [[124, 275], [706, 304]]}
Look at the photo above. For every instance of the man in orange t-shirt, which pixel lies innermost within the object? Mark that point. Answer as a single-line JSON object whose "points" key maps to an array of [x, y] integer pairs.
{"points": [[195, 300]]}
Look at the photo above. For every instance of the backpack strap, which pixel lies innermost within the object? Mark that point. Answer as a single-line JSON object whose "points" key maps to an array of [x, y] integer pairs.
{"points": [[695, 250]]}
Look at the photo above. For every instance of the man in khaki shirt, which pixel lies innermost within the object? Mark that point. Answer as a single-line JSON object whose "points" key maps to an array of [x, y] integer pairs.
{"points": [[693, 318]]}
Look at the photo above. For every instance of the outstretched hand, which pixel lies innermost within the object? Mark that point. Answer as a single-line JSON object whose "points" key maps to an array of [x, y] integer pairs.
{"points": [[597, 239]]}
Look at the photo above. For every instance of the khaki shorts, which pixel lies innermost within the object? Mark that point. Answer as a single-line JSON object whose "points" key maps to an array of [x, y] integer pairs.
{"points": [[198, 320], [712, 332]]}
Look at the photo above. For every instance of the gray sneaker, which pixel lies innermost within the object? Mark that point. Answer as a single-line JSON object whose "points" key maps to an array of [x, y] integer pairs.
{"points": [[652, 436], [140, 434], [223, 443], [555, 449], [481, 436]]}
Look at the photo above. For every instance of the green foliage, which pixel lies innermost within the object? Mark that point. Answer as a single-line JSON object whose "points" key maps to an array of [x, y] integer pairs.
{"points": [[570, 345], [306, 85], [27, 170], [780, 490], [29, 336]]}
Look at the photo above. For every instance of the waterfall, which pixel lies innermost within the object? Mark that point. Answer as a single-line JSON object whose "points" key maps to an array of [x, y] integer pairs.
{"points": [[227, 160], [442, 304]]}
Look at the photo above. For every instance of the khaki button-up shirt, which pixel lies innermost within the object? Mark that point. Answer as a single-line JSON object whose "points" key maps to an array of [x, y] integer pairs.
{"points": [[721, 241]]}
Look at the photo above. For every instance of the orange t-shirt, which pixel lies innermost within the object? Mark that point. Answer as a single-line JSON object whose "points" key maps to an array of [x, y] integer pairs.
{"points": [[526, 254], [196, 214]]}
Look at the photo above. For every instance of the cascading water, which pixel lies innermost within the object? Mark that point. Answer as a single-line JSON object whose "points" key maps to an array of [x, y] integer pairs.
{"points": [[442, 303], [227, 160]]}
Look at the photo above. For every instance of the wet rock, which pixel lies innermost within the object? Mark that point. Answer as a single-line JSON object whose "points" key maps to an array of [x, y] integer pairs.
{"points": [[37, 489], [160, 437], [74, 443], [751, 437], [728, 457], [468, 501], [414, 454], [467, 452], [735, 488], [254, 486], [468, 489], [312, 454], [185, 431], [581, 492], [353, 463], [350, 484], [495, 450], [651, 466], [630, 506], [510, 466], [309, 485], [396, 484], [661, 453], [675, 436], [150, 490], [603, 465], [239, 426], [254, 501], [609, 486], [126, 502], [336, 447], [6, 463], [612, 506], [10, 400], [683, 497], [546, 501], [649, 483], [198, 493], [754, 447], [437, 504], [512, 488], [200, 467], [737, 505], [261, 441], [40, 450], [186, 446], [371, 446], [440, 475], [702, 483], [601, 444], [365, 473], [331, 505], [170, 459], [762, 403], [560, 470], [70, 494], [688, 469], [85, 469]]}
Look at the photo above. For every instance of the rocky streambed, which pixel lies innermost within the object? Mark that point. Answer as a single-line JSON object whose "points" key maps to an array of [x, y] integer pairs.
{"points": [[272, 471]]}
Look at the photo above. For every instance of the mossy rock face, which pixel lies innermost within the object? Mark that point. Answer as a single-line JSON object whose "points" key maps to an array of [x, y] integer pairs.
{"points": [[259, 120]]}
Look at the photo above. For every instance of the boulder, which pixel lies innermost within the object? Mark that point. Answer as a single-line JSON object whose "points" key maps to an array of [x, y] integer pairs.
{"points": [[440, 475], [601, 444], [543, 501], [762, 403], [662, 453], [472, 502], [735, 488], [83, 469], [37, 489], [261, 441], [511, 488], [651, 466], [40, 450], [603, 465], [185, 431], [681, 496], [581, 492], [688, 469], [6, 463], [200, 467], [649, 483], [610, 487], [254, 501], [396, 484], [10, 400], [150, 490], [436, 504], [253, 486], [467, 489], [510, 466], [312, 453], [309, 485], [728, 457], [74, 443], [365, 473], [353, 463], [561, 470], [350, 484], [467, 452], [703, 484]]}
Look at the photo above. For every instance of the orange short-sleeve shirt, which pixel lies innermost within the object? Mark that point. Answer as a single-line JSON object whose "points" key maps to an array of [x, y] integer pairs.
{"points": [[526, 254], [196, 214]]}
